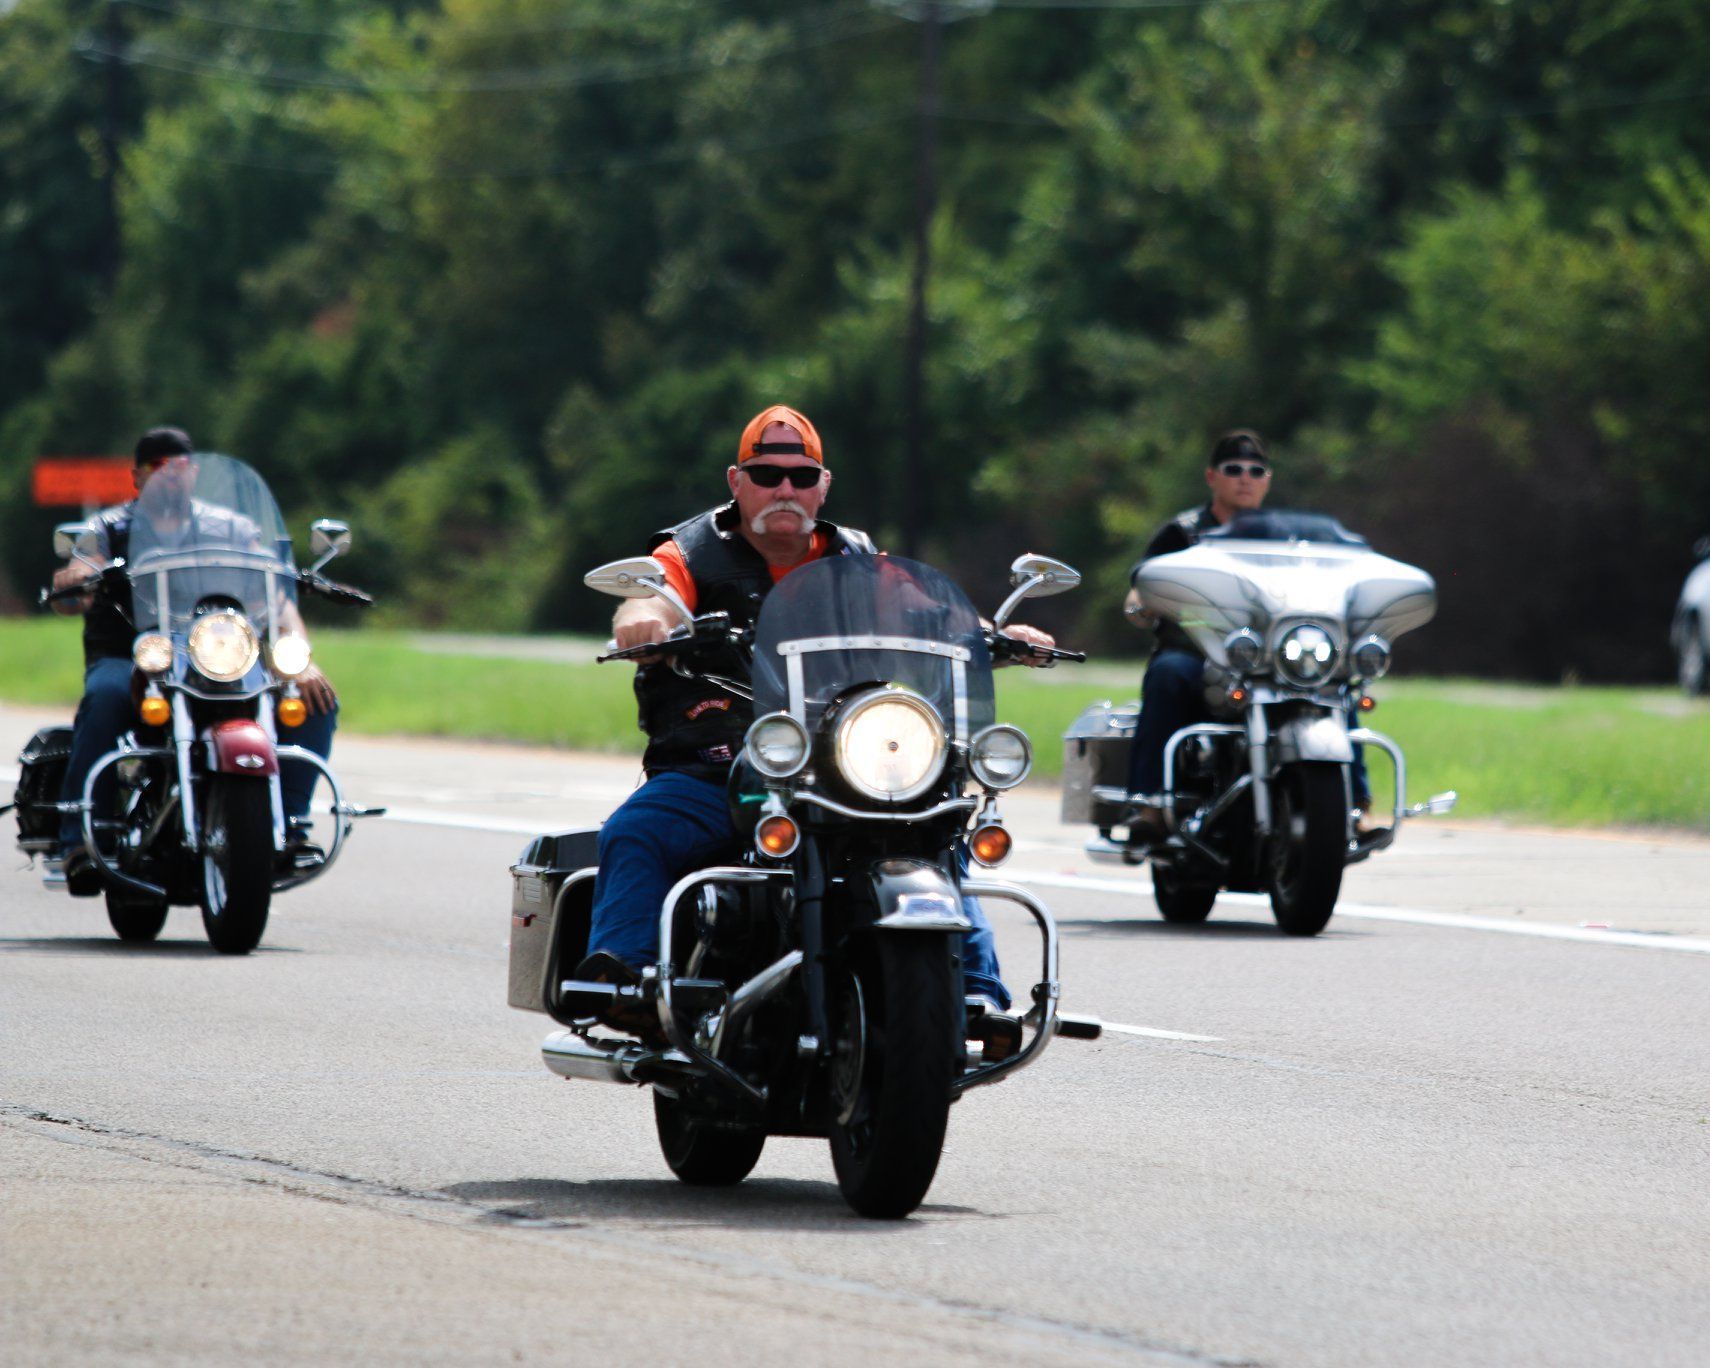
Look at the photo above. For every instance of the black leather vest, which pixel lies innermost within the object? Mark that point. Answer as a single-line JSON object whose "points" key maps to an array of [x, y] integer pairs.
{"points": [[107, 631], [693, 726]]}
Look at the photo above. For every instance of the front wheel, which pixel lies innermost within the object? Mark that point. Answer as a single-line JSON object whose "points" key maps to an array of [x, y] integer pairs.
{"points": [[1310, 836], [701, 1153], [135, 917], [237, 863], [896, 1049]]}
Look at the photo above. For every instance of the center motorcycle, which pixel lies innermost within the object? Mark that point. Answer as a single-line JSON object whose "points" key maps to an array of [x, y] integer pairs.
{"points": [[1295, 617], [193, 812], [813, 985]]}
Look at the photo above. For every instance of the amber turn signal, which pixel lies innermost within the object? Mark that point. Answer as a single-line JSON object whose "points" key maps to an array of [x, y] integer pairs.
{"points": [[777, 835], [989, 845], [292, 711], [1367, 703], [157, 712]]}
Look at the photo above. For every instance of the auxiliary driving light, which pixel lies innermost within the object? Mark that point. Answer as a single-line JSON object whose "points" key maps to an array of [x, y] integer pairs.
{"points": [[291, 655], [292, 712], [777, 835], [1371, 658], [989, 845], [152, 653], [1000, 756], [777, 746], [155, 710]]}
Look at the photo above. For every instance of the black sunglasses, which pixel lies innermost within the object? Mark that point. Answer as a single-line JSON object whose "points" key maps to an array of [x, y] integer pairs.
{"points": [[1232, 469], [771, 476]]}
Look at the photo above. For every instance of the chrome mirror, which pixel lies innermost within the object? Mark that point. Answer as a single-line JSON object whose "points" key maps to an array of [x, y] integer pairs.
{"points": [[1035, 577], [75, 541], [637, 577], [327, 538]]}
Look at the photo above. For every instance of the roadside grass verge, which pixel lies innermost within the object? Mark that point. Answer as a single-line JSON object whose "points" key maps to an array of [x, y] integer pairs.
{"points": [[1568, 756]]}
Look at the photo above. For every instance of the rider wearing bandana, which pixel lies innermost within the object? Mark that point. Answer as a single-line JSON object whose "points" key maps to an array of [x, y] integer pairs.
{"points": [[165, 476], [724, 560]]}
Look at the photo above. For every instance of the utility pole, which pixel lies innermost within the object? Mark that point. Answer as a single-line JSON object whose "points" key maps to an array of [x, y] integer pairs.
{"points": [[113, 35], [925, 202]]}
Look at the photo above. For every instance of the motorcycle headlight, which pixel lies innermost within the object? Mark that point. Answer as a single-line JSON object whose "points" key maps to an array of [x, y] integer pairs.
{"points": [[1306, 655], [1000, 756], [290, 655], [889, 745], [223, 646], [1371, 658], [777, 745], [152, 654], [1245, 650]]}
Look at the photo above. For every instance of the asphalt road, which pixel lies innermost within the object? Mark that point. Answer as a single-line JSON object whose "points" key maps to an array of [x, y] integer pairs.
{"points": [[1460, 1127]]}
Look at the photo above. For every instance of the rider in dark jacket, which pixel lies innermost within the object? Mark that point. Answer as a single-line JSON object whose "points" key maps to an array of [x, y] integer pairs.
{"points": [[724, 560]]}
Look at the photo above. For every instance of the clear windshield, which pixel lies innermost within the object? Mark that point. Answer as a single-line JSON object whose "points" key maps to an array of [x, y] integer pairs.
{"points": [[852, 620], [205, 528]]}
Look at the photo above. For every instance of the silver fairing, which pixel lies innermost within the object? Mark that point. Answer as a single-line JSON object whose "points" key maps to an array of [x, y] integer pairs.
{"points": [[1212, 589]]}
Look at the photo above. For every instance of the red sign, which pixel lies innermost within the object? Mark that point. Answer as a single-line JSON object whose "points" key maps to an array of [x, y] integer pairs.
{"points": [[82, 481]]}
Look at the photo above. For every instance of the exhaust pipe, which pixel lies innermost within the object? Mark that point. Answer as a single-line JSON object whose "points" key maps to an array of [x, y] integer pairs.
{"points": [[572, 1056]]}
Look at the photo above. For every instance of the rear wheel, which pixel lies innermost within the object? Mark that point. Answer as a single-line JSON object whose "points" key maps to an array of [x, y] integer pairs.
{"points": [[1180, 901], [700, 1152], [1310, 836], [135, 917], [896, 1023], [237, 863]]}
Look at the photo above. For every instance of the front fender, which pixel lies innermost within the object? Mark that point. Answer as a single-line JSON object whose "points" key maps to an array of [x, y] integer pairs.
{"points": [[1320, 737], [915, 895], [240, 745]]}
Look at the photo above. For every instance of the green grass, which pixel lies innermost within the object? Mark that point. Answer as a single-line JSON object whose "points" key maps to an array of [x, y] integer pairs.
{"points": [[1567, 756]]}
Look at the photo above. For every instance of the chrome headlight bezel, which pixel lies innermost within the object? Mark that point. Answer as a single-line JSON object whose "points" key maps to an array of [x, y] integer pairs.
{"points": [[152, 653], [979, 755], [1371, 657], [1245, 650], [1306, 655], [290, 654], [863, 714], [769, 729], [224, 646]]}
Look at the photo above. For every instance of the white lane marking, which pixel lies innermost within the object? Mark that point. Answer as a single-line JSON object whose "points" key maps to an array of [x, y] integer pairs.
{"points": [[1153, 1033], [1691, 945]]}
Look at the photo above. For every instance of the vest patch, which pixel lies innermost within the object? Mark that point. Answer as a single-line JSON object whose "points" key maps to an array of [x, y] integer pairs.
{"points": [[707, 705]]}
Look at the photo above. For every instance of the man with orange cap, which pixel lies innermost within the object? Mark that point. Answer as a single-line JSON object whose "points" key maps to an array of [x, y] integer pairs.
{"points": [[724, 560]]}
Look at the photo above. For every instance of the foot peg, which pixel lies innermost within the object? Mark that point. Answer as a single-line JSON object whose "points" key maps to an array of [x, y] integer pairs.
{"points": [[1434, 806], [1074, 1027], [353, 810]]}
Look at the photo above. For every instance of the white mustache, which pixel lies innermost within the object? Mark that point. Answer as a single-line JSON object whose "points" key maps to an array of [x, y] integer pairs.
{"points": [[758, 524]]}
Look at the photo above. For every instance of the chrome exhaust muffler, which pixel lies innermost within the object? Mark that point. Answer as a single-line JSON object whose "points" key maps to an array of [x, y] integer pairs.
{"points": [[618, 1061]]}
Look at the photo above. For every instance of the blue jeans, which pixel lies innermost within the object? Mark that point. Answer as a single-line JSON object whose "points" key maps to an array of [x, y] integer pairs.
{"points": [[1173, 697], [675, 824], [107, 713]]}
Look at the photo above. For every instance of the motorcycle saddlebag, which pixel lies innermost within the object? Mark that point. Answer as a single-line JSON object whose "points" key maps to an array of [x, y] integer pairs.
{"points": [[549, 934], [1095, 756], [42, 772]]}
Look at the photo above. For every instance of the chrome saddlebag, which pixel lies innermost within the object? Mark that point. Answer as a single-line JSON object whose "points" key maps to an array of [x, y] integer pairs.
{"points": [[1095, 756], [549, 922], [42, 772]]}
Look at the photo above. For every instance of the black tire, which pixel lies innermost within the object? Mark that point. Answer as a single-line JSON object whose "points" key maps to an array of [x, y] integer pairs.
{"points": [[1694, 668], [897, 1047], [237, 862], [701, 1154], [1180, 902], [1309, 846], [135, 917]]}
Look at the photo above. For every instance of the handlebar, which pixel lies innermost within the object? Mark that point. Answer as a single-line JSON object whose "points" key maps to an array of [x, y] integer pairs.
{"points": [[333, 591], [711, 629], [1006, 648]]}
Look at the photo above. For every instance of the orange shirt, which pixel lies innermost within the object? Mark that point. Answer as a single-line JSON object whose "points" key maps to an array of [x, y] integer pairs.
{"points": [[670, 555]]}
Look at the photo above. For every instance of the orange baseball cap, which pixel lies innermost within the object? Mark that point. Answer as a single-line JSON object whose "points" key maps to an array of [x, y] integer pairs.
{"points": [[752, 446]]}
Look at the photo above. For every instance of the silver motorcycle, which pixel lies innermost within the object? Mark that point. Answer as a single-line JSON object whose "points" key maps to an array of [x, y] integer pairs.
{"points": [[1295, 616]]}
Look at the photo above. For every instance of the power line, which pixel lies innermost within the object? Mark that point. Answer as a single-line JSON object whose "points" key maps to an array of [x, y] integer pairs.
{"points": [[836, 25], [229, 18]]}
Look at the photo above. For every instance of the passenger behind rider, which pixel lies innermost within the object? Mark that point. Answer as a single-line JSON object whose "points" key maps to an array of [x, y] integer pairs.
{"points": [[1173, 694], [726, 559], [165, 475]]}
